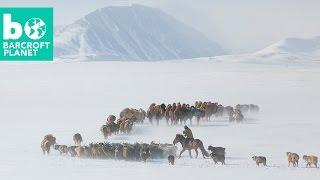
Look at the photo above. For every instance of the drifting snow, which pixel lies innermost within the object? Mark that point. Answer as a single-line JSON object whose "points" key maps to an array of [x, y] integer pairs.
{"points": [[66, 98]]}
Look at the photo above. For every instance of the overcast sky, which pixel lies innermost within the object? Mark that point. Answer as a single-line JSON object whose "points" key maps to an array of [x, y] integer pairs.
{"points": [[238, 25]]}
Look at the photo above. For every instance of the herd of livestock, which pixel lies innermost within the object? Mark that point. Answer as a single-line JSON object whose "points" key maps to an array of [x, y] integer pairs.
{"points": [[144, 151], [174, 114], [125, 151]]}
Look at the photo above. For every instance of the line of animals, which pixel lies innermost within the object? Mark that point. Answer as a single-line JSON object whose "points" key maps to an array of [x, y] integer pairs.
{"points": [[144, 151], [174, 114], [293, 158], [120, 151]]}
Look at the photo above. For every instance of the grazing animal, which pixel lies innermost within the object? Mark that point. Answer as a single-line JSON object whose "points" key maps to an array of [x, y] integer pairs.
{"points": [[63, 149], [106, 150], [189, 144], [167, 113], [110, 128], [71, 150], [145, 152], [293, 158], [171, 159], [95, 150], [217, 150], [218, 158], [254, 108], [128, 152], [87, 151], [243, 107], [45, 146], [77, 138], [126, 126], [217, 154], [159, 151], [259, 160], [80, 151], [198, 113], [227, 110], [171, 113], [159, 112], [236, 115], [177, 114], [118, 152], [48, 141], [210, 109], [134, 115], [219, 112], [311, 160], [154, 113]]}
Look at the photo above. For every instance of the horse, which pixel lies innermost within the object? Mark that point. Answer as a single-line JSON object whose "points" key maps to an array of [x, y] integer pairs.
{"points": [[48, 141], [189, 144]]}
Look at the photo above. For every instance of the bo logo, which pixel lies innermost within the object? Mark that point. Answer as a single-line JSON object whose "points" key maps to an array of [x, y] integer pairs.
{"points": [[34, 28]]}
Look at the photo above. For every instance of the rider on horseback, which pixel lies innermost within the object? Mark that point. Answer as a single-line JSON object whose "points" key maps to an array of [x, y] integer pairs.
{"points": [[188, 134], [189, 143]]}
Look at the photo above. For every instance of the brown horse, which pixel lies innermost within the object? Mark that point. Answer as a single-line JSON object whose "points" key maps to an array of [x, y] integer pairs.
{"points": [[48, 141], [189, 144]]}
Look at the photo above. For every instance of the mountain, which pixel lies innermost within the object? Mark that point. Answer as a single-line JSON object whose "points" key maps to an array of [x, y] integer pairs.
{"points": [[287, 51], [294, 46], [133, 32]]}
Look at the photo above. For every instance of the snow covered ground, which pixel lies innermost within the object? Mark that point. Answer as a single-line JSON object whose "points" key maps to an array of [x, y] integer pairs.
{"points": [[65, 98]]}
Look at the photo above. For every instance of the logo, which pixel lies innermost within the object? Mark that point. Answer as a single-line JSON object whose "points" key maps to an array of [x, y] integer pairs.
{"points": [[26, 34], [35, 28]]}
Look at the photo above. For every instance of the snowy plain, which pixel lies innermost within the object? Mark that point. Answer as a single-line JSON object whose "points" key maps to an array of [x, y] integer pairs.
{"points": [[66, 98]]}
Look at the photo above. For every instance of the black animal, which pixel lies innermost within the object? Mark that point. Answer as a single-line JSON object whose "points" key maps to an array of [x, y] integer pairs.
{"points": [[217, 154], [171, 159], [217, 150], [218, 158], [144, 152], [156, 152]]}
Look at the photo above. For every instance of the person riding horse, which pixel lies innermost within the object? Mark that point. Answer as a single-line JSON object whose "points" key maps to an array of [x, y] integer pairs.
{"points": [[188, 133]]}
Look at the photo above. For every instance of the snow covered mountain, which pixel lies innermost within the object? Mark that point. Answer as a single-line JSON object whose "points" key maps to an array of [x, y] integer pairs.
{"points": [[133, 32], [293, 46], [286, 51]]}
